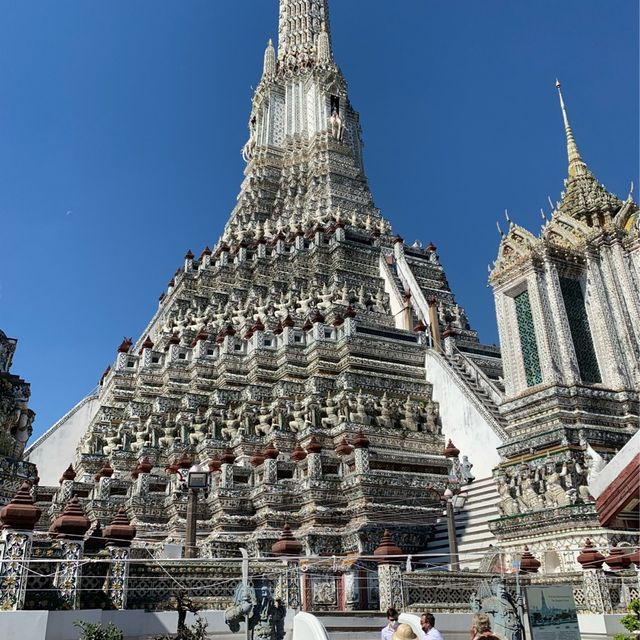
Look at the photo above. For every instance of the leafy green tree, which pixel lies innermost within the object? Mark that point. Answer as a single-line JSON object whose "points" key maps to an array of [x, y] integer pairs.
{"points": [[631, 622]]}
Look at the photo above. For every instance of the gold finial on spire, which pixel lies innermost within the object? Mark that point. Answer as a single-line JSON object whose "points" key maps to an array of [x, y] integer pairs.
{"points": [[577, 165]]}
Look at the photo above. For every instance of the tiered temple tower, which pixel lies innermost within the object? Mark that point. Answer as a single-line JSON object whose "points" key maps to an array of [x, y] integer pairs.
{"points": [[16, 421], [290, 359], [569, 320]]}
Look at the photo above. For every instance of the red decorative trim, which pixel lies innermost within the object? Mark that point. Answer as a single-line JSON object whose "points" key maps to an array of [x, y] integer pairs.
{"points": [[619, 493]]}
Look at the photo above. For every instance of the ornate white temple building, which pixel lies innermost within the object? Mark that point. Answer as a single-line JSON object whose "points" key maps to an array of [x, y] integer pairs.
{"points": [[316, 364]]}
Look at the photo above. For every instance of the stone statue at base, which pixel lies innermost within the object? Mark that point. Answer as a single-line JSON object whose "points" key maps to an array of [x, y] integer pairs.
{"points": [[263, 613]]}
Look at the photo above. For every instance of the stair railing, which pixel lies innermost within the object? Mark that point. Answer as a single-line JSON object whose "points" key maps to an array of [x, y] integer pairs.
{"points": [[479, 376]]}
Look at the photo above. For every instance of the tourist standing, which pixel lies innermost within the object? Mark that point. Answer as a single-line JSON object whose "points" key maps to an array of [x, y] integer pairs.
{"points": [[427, 622], [392, 624], [481, 628]]}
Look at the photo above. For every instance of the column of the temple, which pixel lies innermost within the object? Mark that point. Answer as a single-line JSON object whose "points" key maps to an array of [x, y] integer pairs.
{"points": [[560, 335], [361, 446], [67, 482], [449, 336], [143, 471], [68, 529], [596, 591], [605, 342], [226, 469], [290, 549], [103, 478], [389, 574], [314, 459], [350, 321], [17, 519], [543, 322], [270, 465], [434, 323], [118, 535]]}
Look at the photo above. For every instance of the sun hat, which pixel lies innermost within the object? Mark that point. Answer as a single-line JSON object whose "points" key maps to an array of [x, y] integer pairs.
{"points": [[404, 632]]}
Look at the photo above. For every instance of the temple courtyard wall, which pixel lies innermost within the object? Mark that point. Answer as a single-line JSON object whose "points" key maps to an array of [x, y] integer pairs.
{"points": [[139, 624]]}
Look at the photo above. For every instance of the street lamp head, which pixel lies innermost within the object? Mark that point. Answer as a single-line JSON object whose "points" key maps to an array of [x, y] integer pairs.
{"points": [[197, 479], [448, 494], [459, 500]]}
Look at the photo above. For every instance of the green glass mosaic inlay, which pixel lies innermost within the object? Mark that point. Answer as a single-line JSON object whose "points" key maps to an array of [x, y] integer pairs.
{"points": [[580, 331], [528, 342]]}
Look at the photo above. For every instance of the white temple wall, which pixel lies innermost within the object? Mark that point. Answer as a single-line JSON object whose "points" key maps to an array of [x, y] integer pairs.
{"points": [[58, 625], [461, 421], [54, 450]]}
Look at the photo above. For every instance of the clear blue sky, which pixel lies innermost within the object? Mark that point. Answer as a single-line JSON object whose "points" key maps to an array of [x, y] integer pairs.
{"points": [[121, 125]]}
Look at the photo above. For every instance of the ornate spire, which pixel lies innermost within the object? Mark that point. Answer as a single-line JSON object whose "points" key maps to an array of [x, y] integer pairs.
{"points": [[304, 152], [269, 69], [300, 26], [577, 165], [324, 45], [584, 198]]}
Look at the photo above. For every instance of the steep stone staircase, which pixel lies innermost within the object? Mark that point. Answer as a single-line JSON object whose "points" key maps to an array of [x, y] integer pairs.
{"points": [[472, 527], [485, 391]]}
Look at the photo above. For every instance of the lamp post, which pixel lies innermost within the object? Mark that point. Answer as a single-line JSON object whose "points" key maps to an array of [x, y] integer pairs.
{"points": [[453, 500], [196, 479]]}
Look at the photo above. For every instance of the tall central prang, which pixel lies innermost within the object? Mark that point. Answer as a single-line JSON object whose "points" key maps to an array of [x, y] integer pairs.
{"points": [[304, 153]]}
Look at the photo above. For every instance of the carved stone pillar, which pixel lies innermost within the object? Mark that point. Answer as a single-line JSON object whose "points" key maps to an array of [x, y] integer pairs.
{"points": [[349, 326], [14, 557], [226, 476], [270, 465], [560, 333], [67, 578], [104, 488], [318, 331], [596, 590], [361, 446], [118, 535], [449, 340], [226, 469], [389, 574], [434, 323], [69, 529], [289, 586], [66, 485], [390, 586], [314, 461], [351, 590], [18, 519], [270, 471]]}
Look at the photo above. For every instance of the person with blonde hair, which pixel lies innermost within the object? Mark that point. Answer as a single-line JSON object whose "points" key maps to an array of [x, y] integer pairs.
{"points": [[404, 632], [481, 628]]}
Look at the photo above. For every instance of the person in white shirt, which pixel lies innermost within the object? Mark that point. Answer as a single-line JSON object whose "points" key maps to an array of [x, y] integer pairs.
{"points": [[427, 622], [392, 624]]}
